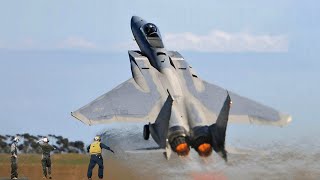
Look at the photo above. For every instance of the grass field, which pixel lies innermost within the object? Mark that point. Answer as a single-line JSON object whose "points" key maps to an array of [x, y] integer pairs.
{"points": [[64, 166]]}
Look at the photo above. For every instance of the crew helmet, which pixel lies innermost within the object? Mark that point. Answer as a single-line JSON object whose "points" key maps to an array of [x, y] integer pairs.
{"points": [[97, 138], [46, 140], [16, 139]]}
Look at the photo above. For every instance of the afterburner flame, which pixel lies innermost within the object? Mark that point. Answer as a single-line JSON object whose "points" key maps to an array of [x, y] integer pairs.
{"points": [[182, 149], [204, 149]]}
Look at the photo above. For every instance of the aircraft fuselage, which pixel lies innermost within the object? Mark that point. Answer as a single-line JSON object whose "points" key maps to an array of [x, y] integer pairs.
{"points": [[182, 130], [181, 109]]}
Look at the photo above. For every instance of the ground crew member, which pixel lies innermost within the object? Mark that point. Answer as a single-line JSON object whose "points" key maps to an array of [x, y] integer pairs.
{"points": [[46, 161], [95, 150], [14, 156]]}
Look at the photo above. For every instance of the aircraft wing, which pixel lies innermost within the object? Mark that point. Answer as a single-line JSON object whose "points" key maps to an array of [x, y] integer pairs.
{"points": [[125, 103], [244, 110]]}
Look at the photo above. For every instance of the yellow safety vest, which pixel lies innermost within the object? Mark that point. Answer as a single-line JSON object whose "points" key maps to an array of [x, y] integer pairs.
{"points": [[95, 148]]}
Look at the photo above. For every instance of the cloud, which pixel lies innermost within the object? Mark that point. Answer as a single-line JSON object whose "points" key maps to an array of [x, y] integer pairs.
{"points": [[129, 45], [29, 43], [26, 43], [214, 41], [77, 42], [221, 41]]}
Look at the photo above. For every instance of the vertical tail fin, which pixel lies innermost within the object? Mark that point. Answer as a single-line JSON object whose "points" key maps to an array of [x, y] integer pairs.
{"points": [[159, 129], [218, 130]]}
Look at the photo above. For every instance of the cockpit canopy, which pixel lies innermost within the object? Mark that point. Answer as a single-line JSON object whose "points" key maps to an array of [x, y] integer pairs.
{"points": [[152, 35], [151, 30]]}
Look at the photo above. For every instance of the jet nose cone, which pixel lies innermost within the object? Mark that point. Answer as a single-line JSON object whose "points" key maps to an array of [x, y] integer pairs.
{"points": [[135, 19]]}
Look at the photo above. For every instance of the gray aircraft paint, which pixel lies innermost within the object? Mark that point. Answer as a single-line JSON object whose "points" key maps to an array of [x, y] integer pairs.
{"points": [[160, 76]]}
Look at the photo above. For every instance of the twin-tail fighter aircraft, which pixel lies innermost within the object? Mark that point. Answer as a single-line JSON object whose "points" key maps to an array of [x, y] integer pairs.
{"points": [[181, 111]]}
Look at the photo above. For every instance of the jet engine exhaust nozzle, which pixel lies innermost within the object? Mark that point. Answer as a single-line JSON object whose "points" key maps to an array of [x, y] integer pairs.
{"points": [[201, 140], [203, 147], [180, 146], [204, 150]]}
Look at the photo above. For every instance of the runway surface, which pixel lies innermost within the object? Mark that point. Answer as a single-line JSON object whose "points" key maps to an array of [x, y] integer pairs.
{"points": [[294, 159], [251, 156]]}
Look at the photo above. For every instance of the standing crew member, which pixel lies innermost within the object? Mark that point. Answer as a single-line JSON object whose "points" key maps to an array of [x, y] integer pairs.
{"points": [[14, 156], [46, 161], [95, 150]]}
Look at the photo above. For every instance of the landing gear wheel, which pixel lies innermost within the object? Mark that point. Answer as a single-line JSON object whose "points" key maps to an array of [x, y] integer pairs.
{"points": [[146, 132]]}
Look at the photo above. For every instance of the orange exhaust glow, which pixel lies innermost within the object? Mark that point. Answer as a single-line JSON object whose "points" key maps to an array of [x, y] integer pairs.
{"points": [[182, 149], [205, 149]]}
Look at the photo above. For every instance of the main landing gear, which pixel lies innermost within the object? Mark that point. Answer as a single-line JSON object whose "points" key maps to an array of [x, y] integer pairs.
{"points": [[146, 132]]}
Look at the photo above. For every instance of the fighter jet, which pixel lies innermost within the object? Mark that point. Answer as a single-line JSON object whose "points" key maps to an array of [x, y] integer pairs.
{"points": [[181, 111]]}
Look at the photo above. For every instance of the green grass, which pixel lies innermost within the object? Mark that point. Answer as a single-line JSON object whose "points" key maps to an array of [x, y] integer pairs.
{"points": [[58, 159]]}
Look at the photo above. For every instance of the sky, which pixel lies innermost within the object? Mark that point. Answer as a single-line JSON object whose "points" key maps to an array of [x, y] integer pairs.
{"points": [[57, 56]]}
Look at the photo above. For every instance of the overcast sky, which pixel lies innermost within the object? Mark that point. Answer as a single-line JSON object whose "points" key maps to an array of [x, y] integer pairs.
{"points": [[56, 56]]}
